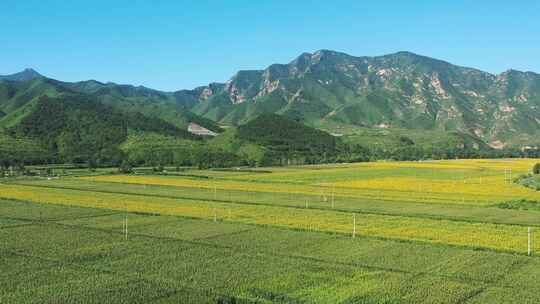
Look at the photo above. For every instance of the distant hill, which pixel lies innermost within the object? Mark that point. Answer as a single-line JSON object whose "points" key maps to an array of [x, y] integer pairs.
{"points": [[27, 74], [401, 90], [91, 122], [285, 135], [271, 139], [88, 121], [126, 98], [140, 99]]}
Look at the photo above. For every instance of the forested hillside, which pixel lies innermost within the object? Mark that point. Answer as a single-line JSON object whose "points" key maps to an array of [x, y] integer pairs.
{"points": [[84, 122], [19, 151], [77, 128], [125, 98], [288, 141], [152, 103]]}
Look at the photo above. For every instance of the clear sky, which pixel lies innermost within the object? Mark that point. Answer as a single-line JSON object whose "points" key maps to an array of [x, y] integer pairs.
{"points": [[172, 45]]}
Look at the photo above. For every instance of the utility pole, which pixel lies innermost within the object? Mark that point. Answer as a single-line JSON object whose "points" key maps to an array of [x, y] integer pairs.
{"points": [[529, 247], [125, 222], [333, 195], [354, 226]]}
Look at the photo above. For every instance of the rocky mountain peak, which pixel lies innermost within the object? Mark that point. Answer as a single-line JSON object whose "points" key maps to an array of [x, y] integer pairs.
{"points": [[25, 75], [402, 89]]}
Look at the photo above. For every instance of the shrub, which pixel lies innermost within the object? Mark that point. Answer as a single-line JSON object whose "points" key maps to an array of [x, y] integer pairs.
{"points": [[125, 167], [160, 168], [536, 168]]}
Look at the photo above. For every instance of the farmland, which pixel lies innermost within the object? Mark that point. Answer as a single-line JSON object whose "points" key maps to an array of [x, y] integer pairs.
{"points": [[385, 232]]}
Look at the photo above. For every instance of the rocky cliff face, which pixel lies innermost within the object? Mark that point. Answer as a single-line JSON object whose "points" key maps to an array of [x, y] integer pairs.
{"points": [[399, 90]]}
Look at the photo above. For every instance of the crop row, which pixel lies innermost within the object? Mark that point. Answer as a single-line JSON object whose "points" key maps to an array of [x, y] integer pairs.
{"points": [[483, 235], [364, 204], [403, 190]]}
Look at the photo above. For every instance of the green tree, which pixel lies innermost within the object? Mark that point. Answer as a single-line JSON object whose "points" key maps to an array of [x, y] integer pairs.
{"points": [[92, 165]]}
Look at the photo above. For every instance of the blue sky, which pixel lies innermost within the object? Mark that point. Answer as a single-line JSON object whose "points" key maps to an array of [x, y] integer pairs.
{"points": [[172, 45]]}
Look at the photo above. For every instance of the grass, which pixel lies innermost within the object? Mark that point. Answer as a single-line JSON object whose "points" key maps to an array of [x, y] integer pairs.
{"points": [[521, 205], [531, 181]]}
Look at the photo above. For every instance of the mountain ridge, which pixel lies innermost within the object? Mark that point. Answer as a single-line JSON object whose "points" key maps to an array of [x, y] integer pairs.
{"points": [[402, 89], [330, 88], [26, 74], [16, 94]]}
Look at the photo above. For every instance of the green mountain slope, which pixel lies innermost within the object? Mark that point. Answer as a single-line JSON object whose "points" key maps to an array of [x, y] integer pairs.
{"points": [[402, 90], [271, 139], [154, 149], [88, 122], [19, 150], [78, 128], [285, 135], [404, 144], [142, 100], [15, 95]]}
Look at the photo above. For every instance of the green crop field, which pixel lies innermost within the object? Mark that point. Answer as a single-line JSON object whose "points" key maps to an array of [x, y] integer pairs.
{"points": [[386, 232]]}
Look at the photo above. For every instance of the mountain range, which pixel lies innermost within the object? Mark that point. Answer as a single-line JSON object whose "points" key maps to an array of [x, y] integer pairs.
{"points": [[328, 89], [371, 101]]}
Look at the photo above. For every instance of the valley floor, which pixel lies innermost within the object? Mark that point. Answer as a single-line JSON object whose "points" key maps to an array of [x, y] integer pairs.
{"points": [[387, 232]]}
